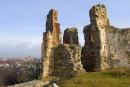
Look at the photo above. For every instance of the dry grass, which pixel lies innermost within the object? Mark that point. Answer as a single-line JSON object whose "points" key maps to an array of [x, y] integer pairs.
{"points": [[119, 72], [114, 78]]}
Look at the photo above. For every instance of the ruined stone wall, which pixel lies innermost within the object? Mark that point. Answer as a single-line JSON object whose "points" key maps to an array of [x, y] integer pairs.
{"points": [[51, 39], [71, 36], [95, 49], [47, 54], [105, 46], [60, 60], [67, 60], [119, 47], [53, 26]]}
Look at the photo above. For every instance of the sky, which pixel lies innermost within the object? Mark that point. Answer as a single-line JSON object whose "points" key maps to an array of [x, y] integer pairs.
{"points": [[22, 22]]}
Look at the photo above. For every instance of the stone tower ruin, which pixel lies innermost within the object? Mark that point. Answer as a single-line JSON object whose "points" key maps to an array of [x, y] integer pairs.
{"points": [[95, 49], [105, 47], [71, 36], [60, 60], [51, 39]]}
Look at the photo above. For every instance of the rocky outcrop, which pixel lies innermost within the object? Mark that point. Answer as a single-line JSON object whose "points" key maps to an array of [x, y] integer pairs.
{"points": [[105, 46], [71, 36]]}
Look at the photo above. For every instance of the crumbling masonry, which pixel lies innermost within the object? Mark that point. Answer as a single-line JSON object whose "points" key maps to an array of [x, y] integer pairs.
{"points": [[71, 36], [105, 46], [61, 60], [51, 39]]}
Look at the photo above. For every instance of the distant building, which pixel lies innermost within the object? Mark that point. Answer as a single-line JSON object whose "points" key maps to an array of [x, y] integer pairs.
{"points": [[3, 63]]}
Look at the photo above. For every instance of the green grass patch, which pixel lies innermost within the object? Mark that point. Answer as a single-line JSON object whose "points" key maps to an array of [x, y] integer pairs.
{"points": [[96, 79]]}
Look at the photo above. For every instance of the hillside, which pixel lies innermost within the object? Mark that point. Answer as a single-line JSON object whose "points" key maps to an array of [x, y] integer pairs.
{"points": [[97, 79]]}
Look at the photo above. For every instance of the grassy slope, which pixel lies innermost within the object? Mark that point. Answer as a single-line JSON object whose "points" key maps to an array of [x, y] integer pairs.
{"points": [[96, 79]]}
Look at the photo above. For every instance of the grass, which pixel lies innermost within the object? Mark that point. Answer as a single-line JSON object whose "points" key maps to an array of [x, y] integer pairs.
{"points": [[97, 79]]}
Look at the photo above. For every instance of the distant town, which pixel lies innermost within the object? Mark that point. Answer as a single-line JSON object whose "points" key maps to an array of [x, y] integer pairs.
{"points": [[16, 70], [6, 62]]}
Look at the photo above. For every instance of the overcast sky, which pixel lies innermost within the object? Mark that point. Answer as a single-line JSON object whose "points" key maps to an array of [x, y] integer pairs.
{"points": [[22, 22]]}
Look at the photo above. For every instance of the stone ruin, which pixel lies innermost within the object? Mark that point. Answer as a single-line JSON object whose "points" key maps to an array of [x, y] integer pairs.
{"points": [[51, 39], [95, 49], [105, 46], [71, 36], [60, 60]]}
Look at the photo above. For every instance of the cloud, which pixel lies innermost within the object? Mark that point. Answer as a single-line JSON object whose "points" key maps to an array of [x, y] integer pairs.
{"points": [[19, 50]]}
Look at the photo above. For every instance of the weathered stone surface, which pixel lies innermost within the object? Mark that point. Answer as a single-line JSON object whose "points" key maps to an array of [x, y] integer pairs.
{"points": [[67, 60], [105, 46], [51, 39], [47, 55], [36, 83], [94, 51], [59, 60], [119, 47], [71, 36], [53, 26]]}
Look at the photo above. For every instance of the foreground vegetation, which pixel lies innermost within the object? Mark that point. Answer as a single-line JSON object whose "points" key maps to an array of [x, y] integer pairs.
{"points": [[113, 78]]}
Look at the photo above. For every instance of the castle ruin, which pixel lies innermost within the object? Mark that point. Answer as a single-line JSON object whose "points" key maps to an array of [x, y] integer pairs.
{"points": [[60, 60], [105, 46]]}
